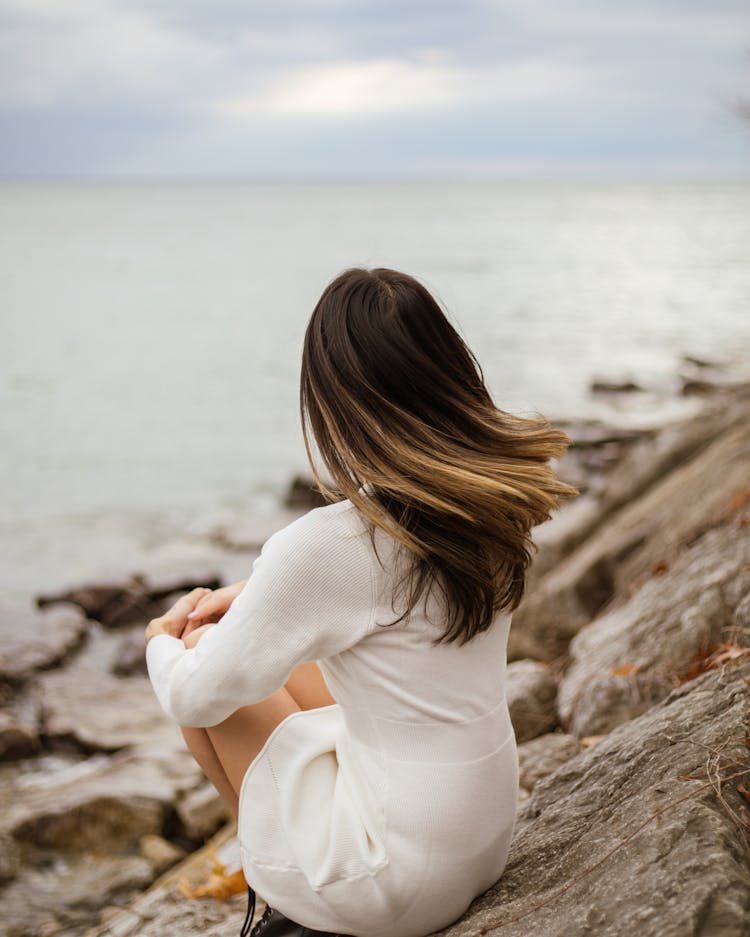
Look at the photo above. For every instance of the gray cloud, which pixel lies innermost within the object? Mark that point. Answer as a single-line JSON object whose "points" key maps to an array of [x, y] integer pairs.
{"points": [[192, 87]]}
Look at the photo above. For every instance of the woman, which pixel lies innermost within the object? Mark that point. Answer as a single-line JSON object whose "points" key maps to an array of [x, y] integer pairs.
{"points": [[348, 699]]}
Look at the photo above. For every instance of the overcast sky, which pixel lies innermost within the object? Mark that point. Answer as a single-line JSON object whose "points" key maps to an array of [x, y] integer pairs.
{"points": [[389, 88]]}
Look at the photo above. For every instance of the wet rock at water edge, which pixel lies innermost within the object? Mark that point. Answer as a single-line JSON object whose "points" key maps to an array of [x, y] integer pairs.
{"points": [[112, 604], [303, 492], [605, 386], [19, 726], [711, 378], [101, 712], [134, 599], [33, 639], [130, 656]]}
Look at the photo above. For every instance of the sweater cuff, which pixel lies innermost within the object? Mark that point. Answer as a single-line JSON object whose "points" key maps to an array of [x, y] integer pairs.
{"points": [[160, 650]]}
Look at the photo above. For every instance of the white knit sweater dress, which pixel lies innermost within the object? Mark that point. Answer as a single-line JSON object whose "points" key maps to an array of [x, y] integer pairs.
{"points": [[386, 813]]}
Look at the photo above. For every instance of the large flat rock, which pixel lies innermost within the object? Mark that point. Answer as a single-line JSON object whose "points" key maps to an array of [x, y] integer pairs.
{"points": [[162, 909], [31, 638], [633, 655], [101, 711], [531, 691], [621, 553], [630, 836], [645, 461], [104, 803], [61, 899], [135, 598]]}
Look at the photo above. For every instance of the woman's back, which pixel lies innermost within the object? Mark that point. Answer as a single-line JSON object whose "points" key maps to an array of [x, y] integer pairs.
{"points": [[405, 676], [420, 797]]}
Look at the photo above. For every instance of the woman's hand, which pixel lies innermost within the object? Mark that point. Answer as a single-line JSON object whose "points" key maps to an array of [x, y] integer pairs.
{"points": [[196, 634], [212, 606], [174, 621]]}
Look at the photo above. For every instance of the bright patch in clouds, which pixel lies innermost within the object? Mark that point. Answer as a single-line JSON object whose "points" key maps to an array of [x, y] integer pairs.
{"points": [[349, 88]]}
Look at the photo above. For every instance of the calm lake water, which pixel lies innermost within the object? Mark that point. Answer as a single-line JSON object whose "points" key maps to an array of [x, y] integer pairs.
{"points": [[152, 332]]}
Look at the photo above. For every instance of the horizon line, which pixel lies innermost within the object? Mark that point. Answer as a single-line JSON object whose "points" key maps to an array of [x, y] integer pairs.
{"points": [[338, 179]]}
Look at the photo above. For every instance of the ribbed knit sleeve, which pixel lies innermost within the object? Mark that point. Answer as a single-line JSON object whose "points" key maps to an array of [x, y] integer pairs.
{"points": [[310, 595]]}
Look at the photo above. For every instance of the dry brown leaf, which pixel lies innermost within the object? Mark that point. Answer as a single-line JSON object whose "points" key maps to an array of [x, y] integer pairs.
{"points": [[738, 500], [709, 658], [623, 670], [726, 652], [219, 884]]}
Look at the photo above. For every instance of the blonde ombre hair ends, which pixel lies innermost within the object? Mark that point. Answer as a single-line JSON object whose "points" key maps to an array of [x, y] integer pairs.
{"points": [[393, 397]]}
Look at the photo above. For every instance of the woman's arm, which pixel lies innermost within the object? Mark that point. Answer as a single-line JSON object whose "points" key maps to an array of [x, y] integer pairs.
{"points": [[310, 595]]}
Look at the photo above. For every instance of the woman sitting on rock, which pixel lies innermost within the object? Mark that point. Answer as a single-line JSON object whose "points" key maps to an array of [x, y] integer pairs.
{"points": [[347, 700]]}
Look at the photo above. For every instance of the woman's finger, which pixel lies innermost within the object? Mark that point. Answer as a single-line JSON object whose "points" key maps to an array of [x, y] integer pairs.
{"points": [[193, 623], [210, 600], [188, 601], [207, 597], [210, 605], [177, 614]]}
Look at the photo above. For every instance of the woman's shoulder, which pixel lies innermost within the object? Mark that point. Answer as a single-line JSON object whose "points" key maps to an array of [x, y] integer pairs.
{"points": [[321, 551], [327, 533]]}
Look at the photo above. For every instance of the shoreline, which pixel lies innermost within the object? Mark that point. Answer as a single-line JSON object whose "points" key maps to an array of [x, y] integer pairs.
{"points": [[114, 546]]}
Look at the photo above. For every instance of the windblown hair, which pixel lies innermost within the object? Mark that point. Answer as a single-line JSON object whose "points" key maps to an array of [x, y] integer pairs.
{"points": [[395, 398]]}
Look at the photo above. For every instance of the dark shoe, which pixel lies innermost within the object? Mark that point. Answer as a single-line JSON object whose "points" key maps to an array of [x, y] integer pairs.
{"points": [[273, 923]]}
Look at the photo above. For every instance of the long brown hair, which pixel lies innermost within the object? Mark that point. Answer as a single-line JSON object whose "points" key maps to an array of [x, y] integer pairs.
{"points": [[396, 399]]}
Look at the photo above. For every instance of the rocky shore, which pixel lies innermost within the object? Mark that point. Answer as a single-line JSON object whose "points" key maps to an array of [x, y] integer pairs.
{"points": [[628, 682]]}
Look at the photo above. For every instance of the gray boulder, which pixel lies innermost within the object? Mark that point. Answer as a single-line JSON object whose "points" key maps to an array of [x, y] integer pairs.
{"points": [[19, 726], [648, 457], [100, 711], [638, 537], [543, 755], [63, 897], [631, 835], [135, 598], [632, 656], [531, 691], [31, 639], [202, 811], [102, 804]]}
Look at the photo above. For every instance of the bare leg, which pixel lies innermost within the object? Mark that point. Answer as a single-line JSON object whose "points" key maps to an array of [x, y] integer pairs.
{"points": [[308, 688], [305, 689], [202, 750], [239, 738]]}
